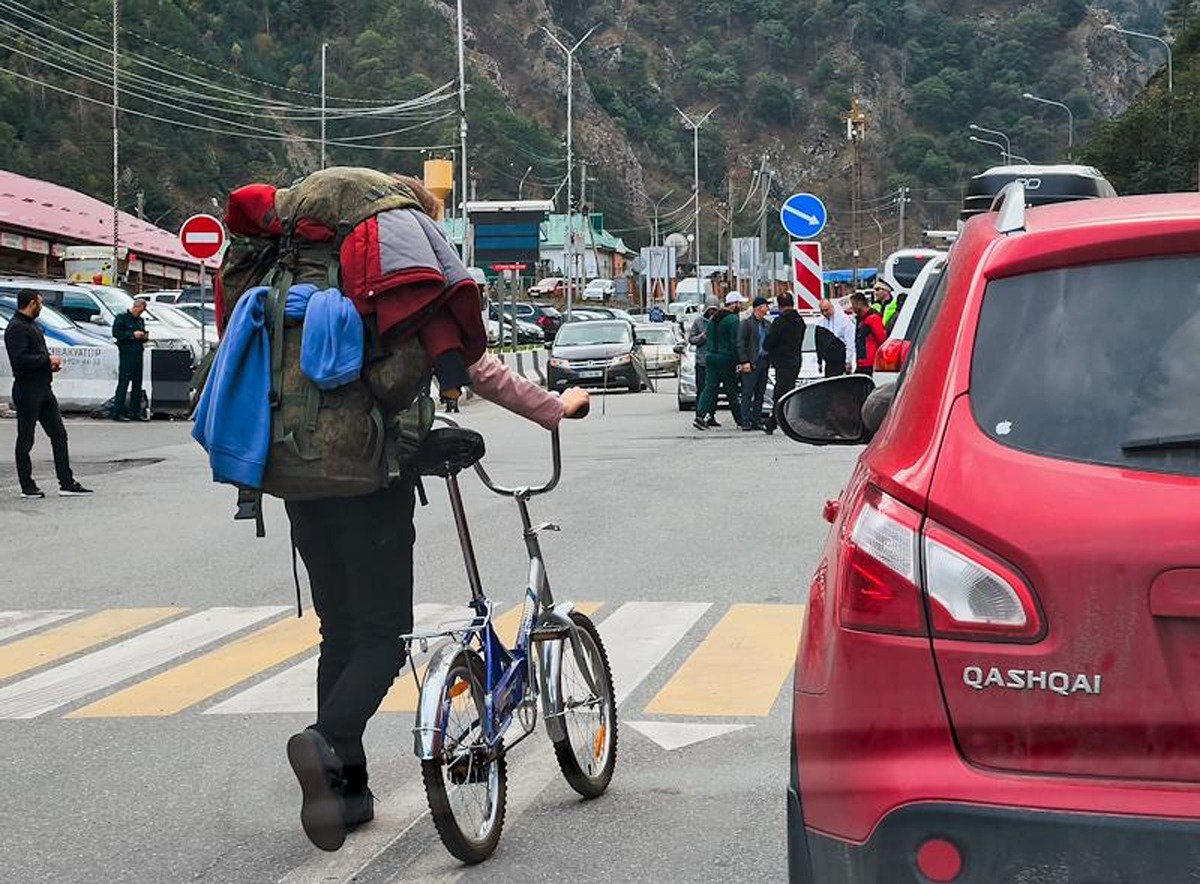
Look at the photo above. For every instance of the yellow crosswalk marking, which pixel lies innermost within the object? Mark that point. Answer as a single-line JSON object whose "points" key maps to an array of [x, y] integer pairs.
{"points": [[193, 682], [740, 666], [403, 695], [63, 641]]}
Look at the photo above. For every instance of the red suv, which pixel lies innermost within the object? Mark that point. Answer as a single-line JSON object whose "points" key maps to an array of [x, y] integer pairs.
{"points": [[999, 672]]}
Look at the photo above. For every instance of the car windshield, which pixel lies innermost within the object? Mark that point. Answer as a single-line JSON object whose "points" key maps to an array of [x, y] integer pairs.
{"points": [[172, 317], [1058, 372], [589, 333], [659, 336], [907, 269], [116, 300]]}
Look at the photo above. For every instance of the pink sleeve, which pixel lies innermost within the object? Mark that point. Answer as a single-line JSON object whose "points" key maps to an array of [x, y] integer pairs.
{"points": [[494, 381]]}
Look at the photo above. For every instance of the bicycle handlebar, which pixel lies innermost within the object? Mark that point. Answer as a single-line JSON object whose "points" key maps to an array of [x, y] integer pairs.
{"points": [[556, 455]]}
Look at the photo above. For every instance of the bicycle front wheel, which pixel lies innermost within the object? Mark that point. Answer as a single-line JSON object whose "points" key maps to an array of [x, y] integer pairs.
{"points": [[587, 754], [466, 786]]}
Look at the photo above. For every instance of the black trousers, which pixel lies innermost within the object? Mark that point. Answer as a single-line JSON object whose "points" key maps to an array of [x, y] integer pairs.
{"points": [[754, 388], [701, 377], [835, 370], [786, 375], [128, 401], [359, 556], [37, 405]]}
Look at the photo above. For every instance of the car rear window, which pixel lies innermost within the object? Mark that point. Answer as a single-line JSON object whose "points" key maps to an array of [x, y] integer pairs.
{"points": [[1099, 363], [907, 269]]}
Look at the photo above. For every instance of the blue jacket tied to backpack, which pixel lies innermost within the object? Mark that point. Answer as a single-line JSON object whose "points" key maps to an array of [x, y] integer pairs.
{"points": [[233, 419]]}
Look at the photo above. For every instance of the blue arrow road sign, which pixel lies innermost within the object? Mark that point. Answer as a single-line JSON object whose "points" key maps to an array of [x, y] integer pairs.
{"points": [[803, 216]]}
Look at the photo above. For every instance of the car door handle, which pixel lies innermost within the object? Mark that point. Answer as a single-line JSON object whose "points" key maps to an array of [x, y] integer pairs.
{"points": [[1176, 594]]}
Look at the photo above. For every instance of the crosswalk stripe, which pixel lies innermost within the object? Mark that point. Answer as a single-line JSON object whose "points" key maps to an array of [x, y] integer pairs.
{"points": [[71, 638], [295, 689], [403, 695], [76, 679], [739, 667], [196, 680], [14, 623], [638, 635]]}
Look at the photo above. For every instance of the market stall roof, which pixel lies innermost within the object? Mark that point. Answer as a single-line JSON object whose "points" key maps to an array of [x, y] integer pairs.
{"points": [[64, 215]]}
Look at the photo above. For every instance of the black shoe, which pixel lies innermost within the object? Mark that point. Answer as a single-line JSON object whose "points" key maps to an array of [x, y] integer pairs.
{"points": [[712, 422], [317, 768], [749, 428], [699, 424], [74, 489], [769, 429], [33, 493], [359, 808]]}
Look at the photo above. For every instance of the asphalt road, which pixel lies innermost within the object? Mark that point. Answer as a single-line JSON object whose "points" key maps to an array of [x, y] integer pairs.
{"points": [[699, 546]]}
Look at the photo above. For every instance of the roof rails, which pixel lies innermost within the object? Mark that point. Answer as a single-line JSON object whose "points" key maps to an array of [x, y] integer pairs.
{"points": [[1010, 203]]}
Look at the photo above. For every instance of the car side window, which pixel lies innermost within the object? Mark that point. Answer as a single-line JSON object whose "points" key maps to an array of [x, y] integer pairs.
{"points": [[79, 307], [924, 315]]}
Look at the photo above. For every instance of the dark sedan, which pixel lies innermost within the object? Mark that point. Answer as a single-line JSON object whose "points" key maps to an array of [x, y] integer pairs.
{"points": [[597, 354]]}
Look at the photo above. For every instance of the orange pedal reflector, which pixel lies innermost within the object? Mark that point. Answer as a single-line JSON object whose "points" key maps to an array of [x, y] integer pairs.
{"points": [[599, 747]]}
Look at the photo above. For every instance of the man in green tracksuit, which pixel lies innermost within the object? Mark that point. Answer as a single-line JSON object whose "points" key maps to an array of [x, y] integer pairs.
{"points": [[129, 329], [721, 362]]}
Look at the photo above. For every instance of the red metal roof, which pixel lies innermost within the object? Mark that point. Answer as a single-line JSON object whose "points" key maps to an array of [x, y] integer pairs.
{"points": [[59, 213]]}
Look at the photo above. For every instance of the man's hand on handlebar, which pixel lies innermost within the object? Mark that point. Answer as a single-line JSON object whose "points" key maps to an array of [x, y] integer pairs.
{"points": [[576, 403]]}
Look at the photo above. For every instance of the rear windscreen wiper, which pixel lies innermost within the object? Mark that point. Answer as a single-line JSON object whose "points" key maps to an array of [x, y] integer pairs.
{"points": [[1158, 443]]}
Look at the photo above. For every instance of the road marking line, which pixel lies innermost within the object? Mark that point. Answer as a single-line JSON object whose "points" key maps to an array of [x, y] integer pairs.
{"points": [[78, 635], [14, 623], [197, 680], [638, 635], [672, 735], [76, 679], [295, 689], [739, 668]]}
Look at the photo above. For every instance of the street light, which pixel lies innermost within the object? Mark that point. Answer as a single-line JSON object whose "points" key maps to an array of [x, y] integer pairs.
{"points": [[996, 144], [657, 208], [521, 186], [1029, 96], [695, 126], [569, 240], [1165, 44], [1007, 141]]}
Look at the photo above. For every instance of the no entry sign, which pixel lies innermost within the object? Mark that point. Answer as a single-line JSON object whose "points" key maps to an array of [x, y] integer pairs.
{"points": [[807, 274], [202, 236]]}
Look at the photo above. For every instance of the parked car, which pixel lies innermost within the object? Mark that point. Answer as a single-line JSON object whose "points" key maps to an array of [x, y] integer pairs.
{"points": [[593, 312], [545, 317], [694, 291], [994, 676], [810, 372], [94, 307], [602, 353], [891, 356], [169, 296], [901, 269], [187, 326], [661, 348], [684, 312], [527, 332], [600, 290], [196, 311], [552, 287], [89, 374]]}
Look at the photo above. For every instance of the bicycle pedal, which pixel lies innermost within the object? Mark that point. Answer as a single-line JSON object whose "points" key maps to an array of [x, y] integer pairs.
{"points": [[547, 526]]}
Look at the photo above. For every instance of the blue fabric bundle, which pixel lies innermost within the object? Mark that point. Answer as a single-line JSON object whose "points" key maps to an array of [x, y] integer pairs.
{"points": [[331, 351]]}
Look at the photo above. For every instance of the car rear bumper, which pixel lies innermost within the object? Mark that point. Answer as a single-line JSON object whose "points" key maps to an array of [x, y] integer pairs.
{"points": [[998, 845]]}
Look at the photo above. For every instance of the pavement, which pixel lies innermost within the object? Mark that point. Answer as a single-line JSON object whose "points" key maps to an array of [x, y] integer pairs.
{"points": [[151, 668]]}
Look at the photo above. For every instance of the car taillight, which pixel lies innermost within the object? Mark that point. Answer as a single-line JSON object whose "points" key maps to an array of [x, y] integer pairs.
{"points": [[892, 355], [973, 595], [878, 589]]}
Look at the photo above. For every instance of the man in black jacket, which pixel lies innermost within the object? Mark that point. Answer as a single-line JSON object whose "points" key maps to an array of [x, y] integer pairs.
{"points": [[33, 369], [129, 329], [784, 345]]}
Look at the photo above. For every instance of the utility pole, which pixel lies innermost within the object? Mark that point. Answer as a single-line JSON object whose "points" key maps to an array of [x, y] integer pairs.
{"points": [[760, 270], [904, 201], [116, 146], [695, 126], [856, 131], [568, 241], [462, 133], [324, 51], [141, 205]]}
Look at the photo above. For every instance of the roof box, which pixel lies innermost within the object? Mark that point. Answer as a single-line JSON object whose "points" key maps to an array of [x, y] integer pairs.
{"points": [[1043, 185]]}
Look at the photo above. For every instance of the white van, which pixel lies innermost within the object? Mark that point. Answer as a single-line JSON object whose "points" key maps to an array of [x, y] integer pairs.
{"points": [[902, 268], [694, 291]]}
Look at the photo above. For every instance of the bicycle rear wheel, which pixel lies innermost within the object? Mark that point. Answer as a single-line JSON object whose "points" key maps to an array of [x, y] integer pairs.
{"points": [[587, 754], [466, 787]]}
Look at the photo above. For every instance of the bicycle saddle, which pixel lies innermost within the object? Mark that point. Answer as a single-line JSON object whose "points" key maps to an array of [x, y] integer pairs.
{"points": [[448, 451]]}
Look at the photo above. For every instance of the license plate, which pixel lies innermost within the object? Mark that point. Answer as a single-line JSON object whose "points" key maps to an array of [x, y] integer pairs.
{"points": [[591, 374]]}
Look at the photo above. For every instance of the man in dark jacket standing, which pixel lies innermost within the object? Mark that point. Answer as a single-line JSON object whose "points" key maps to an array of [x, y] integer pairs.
{"points": [[721, 362], [698, 338], [784, 344], [33, 370], [752, 363], [130, 331]]}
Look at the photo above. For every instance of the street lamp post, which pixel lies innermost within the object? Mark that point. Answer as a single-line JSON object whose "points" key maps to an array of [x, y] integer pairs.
{"points": [[462, 133], [569, 238], [1165, 45], [1029, 96], [996, 144], [695, 127], [657, 208], [1007, 141], [521, 186]]}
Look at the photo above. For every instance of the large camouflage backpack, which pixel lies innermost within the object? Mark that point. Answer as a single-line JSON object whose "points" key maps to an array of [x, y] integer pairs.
{"points": [[354, 439]]}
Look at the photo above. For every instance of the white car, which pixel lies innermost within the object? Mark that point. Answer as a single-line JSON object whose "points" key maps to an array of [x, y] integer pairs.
{"points": [[901, 269], [659, 341], [599, 290], [183, 323], [890, 358]]}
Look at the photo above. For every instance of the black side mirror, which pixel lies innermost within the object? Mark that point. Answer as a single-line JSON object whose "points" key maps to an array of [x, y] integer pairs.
{"points": [[829, 412]]}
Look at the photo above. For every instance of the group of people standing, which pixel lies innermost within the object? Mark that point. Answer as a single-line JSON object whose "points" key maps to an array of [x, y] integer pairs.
{"points": [[736, 350]]}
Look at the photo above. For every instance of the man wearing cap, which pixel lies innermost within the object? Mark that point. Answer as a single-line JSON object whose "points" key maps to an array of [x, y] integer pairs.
{"points": [[752, 362], [721, 362]]}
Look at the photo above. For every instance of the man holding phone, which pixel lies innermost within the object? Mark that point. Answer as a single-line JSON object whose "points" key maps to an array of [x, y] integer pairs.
{"points": [[33, 371], [129, 330]]}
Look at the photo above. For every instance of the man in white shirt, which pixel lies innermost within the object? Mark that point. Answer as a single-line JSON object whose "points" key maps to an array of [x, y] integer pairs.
{"points": [[836, 349]]}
